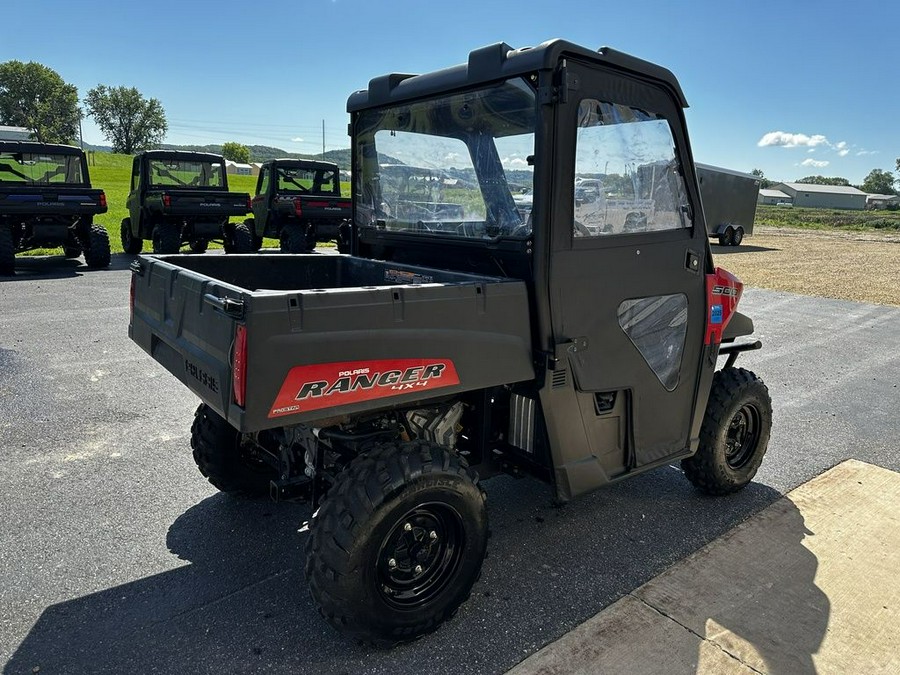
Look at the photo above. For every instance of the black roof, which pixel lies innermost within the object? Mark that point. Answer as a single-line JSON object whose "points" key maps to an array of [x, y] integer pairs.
{"points": [[34, 147], [500, 61], [302, 163], [182, 155]]}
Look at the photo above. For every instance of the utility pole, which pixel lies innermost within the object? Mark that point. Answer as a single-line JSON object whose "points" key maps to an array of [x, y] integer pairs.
{"points": [[323, 139], [80, 132]]}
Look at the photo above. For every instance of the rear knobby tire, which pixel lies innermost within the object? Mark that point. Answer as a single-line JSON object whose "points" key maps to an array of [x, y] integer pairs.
{"points": [[130, 244], [224, 459], [96, 252], [257, 240], [7, 252], [198, 245], [166, 238], [361, 558], [734, 435]]}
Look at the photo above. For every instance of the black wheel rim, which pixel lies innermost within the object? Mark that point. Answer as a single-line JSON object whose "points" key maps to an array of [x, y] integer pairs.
{"points": [[742, 436], [419, 557]]}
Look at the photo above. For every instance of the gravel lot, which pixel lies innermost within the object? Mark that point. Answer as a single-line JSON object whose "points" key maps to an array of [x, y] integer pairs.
{"points": [[861, 266], [116, 556]]}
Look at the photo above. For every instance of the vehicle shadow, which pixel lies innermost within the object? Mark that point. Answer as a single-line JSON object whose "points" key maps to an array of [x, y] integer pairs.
{"points": [[743, 248], [241, 604], [60, 267]]}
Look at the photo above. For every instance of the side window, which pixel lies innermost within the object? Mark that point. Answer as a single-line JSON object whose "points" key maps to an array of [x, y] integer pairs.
{"points": [[135, 173], [627, 177], [263, 186]]}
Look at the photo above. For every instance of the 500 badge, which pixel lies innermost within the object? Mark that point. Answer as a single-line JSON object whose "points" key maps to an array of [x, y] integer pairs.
{"points": [[329, 385]]}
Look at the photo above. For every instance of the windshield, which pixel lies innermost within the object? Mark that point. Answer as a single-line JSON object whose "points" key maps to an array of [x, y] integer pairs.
{"points": [[312, 181], [451, 166], [186, 173], [40, 168]]}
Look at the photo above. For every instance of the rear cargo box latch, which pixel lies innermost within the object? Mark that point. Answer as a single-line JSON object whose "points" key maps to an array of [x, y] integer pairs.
{"points": [[231, 306]]}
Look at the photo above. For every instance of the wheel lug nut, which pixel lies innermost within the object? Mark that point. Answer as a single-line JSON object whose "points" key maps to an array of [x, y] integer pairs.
{"points": [[392, 563], [407, 527], [418, 569], [433, 535]]}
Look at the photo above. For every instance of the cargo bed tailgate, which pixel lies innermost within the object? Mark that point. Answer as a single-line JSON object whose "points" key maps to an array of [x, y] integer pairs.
{"points": [[340, 349]]}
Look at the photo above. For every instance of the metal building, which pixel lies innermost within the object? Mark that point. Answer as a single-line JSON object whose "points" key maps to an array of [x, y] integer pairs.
{"points": [[824, 196], [773, 197]]}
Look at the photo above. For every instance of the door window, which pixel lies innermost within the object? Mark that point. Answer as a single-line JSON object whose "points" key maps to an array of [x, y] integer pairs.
{"points": [[627, 176], [263, 182]]}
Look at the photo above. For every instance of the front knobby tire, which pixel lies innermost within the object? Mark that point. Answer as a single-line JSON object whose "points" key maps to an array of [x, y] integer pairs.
{"points": [[241, 240], [97, 251], [226, 461], [398, 542], [734, 435], [130, 244], [166, 238], [295, 239]]}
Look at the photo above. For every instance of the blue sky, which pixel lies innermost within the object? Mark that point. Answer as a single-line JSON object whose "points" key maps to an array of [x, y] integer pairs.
{"points": [[793, 88]]}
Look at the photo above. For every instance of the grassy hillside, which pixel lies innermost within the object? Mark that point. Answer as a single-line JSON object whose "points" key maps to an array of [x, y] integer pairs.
{"points": [[827, 219]]}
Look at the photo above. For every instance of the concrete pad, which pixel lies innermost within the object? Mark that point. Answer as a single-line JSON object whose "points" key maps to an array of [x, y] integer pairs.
{"points": [[808, 585]]}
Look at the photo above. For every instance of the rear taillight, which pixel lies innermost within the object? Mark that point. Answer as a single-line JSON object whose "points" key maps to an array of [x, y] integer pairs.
{"points": [[131, 295], [298, 208], [723, 291], [167, 200], [239, 365], [103, 199]]}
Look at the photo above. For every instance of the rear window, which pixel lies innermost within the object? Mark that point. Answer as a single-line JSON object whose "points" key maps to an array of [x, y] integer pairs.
{"points": [[186, 173], [40, 168]]}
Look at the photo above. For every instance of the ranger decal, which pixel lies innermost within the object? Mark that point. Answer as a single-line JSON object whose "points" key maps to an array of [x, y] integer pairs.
{"points": [[329, 385]]}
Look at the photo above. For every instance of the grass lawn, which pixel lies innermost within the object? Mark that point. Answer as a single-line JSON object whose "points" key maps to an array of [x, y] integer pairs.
{"points": [[112, 174], [827, 219]]}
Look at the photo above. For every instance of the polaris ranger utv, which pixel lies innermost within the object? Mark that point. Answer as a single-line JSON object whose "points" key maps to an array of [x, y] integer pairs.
{"points": [[46, 201], [180, 198], [298, 202], [576, 341]]}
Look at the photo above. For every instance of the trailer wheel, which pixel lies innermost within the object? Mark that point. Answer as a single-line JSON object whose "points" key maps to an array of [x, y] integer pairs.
{"points": [[294, 239], [166, 238], [398, 542], [734, 435], [737, 236], [96, 250], [130, 244], [7, 252], [725, 236], [228, 464]]}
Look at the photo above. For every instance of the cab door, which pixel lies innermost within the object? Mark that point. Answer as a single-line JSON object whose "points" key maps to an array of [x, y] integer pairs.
{"points": [[626, 281]]}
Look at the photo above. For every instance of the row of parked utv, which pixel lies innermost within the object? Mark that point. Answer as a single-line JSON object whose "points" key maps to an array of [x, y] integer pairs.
{"points": [[176, 199]]}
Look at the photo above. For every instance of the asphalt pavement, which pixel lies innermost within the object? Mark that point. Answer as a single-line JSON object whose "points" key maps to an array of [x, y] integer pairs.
{"points": [[117, 556]]}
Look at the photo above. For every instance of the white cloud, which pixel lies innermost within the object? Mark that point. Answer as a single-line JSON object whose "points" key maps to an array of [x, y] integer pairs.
{"points": [[297, 140], [862, 153], [842, 149], [786, 140], [516, 162], [815, 163]]}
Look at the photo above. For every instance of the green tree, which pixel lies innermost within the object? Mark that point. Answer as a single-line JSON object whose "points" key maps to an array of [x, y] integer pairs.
{"points": [[236, 152], [36, 97], [879, 182], [823, 180], [129, 121], [763, 181]]}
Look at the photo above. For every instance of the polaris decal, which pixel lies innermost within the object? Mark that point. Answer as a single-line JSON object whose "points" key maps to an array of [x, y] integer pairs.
{"points": [[329, 385]]}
